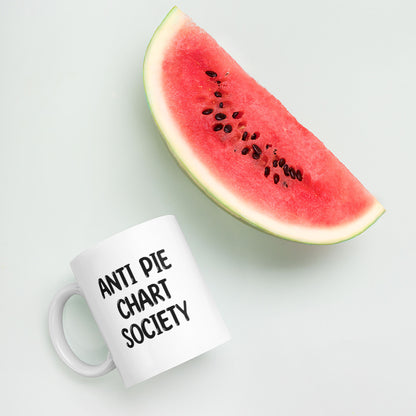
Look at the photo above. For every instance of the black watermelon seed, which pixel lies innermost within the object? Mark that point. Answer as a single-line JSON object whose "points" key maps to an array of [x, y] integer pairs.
{"points": [[286, 170], [221, 105], [256, 149], [245, 134], [275, 163], [218, 82], [235, 114], [220, 116], [282, 162], [266, 171], [207, 111], [218, 127], [299, 175], [256, 155], [245, 150], [276, 178], [292, 172], [268, 146], [217, 94], [254, 136], [211, 74], [228, 128]]}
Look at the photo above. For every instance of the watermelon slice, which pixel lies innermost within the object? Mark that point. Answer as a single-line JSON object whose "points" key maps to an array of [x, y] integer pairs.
{"points": [[242, 147]]}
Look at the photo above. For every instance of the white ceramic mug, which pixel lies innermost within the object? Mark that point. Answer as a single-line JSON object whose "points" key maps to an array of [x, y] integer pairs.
{"points": [[150, 303]]}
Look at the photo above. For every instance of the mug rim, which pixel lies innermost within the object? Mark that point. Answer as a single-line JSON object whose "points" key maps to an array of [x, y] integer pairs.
{"points": [[106, 240]]}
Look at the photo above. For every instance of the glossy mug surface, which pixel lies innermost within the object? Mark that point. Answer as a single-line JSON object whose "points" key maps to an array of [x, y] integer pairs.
{"points": [[148, 298]]}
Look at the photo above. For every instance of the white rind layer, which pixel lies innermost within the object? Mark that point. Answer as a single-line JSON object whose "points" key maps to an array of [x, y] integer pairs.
{"points": [[202, 176]]}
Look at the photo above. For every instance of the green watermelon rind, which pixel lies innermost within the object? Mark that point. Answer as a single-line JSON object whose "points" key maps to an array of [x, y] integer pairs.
{"points": [[310, 235]]}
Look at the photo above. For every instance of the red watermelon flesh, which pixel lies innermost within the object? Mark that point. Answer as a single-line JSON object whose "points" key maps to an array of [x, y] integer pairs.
{"points": [[241, 145]]}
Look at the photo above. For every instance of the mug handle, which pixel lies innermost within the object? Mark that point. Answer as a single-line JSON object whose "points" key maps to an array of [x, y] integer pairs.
{"points": [[64, 351]]}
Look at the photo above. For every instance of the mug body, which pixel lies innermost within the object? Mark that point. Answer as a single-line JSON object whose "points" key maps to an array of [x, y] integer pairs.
{"points": [[148, 298]]}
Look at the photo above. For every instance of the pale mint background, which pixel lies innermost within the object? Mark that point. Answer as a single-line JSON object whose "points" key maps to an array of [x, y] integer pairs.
{"points": [[317, 331]]}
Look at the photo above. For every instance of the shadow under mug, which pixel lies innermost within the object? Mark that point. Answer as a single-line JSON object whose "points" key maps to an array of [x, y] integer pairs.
{"points": [[148, 299]]}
